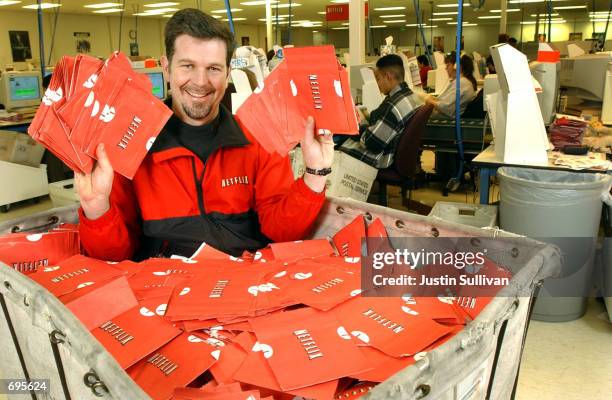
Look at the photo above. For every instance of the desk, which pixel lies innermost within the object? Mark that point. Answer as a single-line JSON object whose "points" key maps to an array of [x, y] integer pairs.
{"points": [[488, 164], [16, 126]]}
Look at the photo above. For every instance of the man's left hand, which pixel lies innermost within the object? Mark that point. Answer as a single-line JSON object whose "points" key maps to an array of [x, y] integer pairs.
{"points": [[318, 153]]}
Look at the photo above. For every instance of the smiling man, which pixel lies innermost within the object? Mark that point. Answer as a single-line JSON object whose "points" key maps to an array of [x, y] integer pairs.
{"points": [[205, 179]]}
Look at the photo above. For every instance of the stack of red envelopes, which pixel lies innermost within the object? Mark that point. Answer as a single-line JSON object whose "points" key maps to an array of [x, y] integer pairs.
{"points": [[308, 82], [27, 252], [90, 102], [288, 320]]}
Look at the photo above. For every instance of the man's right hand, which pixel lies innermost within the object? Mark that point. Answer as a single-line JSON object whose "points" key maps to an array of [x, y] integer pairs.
{"points": [[95, 188]]}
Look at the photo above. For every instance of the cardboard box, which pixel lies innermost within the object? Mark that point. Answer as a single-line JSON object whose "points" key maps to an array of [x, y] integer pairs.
{"points": [[20, 149], [349, 177], [63, 193]]}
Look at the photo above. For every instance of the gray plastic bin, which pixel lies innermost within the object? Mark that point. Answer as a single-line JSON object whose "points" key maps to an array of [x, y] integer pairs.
{"points": [[607, 262], [560, 208], [480, 362]]}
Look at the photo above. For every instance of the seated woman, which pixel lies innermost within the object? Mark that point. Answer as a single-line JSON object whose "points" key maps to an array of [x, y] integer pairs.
{"points": [[444, 104]]}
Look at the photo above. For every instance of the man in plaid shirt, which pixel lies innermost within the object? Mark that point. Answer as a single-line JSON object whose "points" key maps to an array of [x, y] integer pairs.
{"points": [[378, 140]]}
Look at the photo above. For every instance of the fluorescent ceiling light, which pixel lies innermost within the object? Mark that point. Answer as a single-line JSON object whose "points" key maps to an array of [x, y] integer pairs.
{"points": [[345, 24], [451, 5], [322, 13], [287, 5], [166, 4], [598, 20], [541, 22], [43, 6], [395, 21], [507, 10], [315, 31], [378, 26], [423, 26], [338, 28], [157, 11], [569, 7], [234, 19], [604, 13], [392, 16], [103, 5], [441, 19], [340, 1], [9, 2], [544, 15], [446, 13], [490, 17], [257, 3], [524, 1], [108, 10], [223, 11], [470, 24], [464, 23], [389, 8]]}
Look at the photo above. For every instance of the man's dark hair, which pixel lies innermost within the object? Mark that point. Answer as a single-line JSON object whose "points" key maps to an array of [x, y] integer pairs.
{"points": [[192, 22], [392, 63], [423, 60], [513, 42]]}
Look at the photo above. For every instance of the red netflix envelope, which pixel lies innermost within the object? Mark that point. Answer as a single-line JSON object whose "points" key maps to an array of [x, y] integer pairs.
{"points": [[302, 347], [231, 358], [321, 286], [28, 253], [215, 294], [74, 273], [348, 239], [255, 370], [93, 305], [309, 82], [134, 334], [301, 249], [174, 365], [383, 365], [388, 325]]}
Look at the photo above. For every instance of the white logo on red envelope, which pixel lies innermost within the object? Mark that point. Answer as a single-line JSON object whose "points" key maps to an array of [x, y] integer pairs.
{"points": [[91, 81], [352, 260], [108, 114], [266, 349], [216, 354], [34, 237], [194, 339], [84, 284], [148, 146], [338, 88], [161, 309], [145, 312], [302, 275], [184, 291]]}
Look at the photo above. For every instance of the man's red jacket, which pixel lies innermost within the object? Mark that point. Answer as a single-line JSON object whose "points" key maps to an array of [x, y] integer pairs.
{"points": [[240, 199]]}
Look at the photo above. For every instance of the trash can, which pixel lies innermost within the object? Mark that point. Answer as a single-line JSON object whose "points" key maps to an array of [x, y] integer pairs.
{"points": [[607, 261], [476, 215], [562, 208]]}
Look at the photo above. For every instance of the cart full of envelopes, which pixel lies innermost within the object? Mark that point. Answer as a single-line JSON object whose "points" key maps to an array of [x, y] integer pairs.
{"points": [[69, 339]]}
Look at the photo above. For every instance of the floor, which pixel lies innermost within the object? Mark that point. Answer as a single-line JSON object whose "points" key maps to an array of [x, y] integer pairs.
{"points": [[568, 361]]}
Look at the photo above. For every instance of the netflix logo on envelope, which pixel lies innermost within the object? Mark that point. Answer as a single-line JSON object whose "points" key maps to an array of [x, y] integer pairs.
{"points": [[131, 336], [74, 273], [388, 324], [305, 347], [176, 364], [308, 82], [28, 253]]}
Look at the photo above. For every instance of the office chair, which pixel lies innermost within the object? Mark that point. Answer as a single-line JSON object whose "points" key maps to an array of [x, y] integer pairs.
{"points": [[407, 154]]}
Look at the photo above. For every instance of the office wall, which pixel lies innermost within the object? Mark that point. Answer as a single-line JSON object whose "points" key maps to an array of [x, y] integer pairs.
{"points": [[104, 32], [105, 37]]}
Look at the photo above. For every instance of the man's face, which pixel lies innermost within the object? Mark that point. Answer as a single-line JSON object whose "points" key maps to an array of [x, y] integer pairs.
{"points": [[384, 81], [198, 77]]}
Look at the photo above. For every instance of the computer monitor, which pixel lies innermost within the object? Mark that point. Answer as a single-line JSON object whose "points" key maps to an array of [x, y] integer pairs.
{"points": [[20, 89], [584, 76], [156, 75], [547, 74]]}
